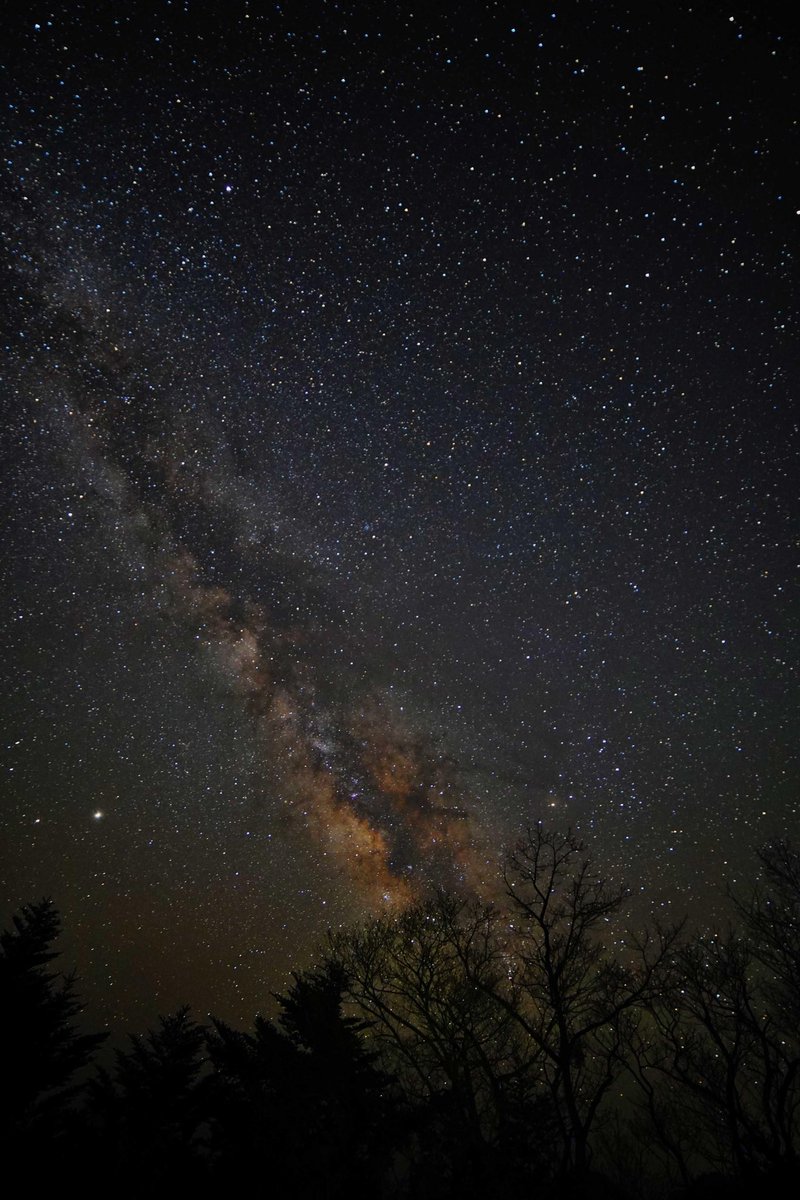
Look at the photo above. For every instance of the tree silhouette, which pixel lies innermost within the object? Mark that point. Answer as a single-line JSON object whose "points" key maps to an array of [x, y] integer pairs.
{"points": [[575, 1000], [151, 1107], [720, 1074], [41, 1048], [301, 1101], [455, 1049], [426, 980], [771, 923]]}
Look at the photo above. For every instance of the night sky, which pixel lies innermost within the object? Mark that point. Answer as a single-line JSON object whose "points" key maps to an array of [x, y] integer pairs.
{"points": [[398, 444]]}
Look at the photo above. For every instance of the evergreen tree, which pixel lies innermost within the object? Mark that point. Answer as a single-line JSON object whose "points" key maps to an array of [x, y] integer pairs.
{"points": [[152, 1106], [41, 1048], [300, 1101]]}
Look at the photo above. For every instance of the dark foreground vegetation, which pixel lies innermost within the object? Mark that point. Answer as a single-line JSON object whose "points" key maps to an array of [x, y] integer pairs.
{"points": [[458, 1050]]}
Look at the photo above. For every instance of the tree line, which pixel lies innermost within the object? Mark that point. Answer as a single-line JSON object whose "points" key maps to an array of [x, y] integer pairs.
{"points": [[459, 1049]]}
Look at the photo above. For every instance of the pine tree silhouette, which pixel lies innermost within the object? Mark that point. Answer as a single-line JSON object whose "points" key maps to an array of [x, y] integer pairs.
{"points": [[151, 1108], [41, 1050], [300, 1101]]}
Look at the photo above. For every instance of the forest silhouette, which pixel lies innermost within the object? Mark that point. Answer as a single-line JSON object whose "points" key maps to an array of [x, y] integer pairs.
{"points": [[529, 1047]]}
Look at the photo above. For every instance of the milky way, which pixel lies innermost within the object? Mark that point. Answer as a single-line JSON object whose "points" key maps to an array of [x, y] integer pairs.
{"points": [[330, 747], [398, 446]]}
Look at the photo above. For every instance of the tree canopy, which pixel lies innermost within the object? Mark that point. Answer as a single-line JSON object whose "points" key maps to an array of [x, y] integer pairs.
{"points": [[454, 1049]]}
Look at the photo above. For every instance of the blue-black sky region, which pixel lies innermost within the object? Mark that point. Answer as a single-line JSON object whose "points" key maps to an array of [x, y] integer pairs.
{"points": [[398, 446]]}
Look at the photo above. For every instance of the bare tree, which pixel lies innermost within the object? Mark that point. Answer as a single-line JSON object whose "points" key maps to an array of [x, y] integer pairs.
{"points": [[428, 981], [771, 922], [577, 1002], [520, 1015], [721, 1075]]}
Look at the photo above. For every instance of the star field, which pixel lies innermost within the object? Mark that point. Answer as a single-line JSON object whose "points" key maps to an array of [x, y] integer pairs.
{"points": [[399, 444]]}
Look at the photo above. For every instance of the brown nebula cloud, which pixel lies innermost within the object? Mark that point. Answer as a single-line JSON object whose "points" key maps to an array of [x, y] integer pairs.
{"points": [[425, 790], [387, 807]]}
